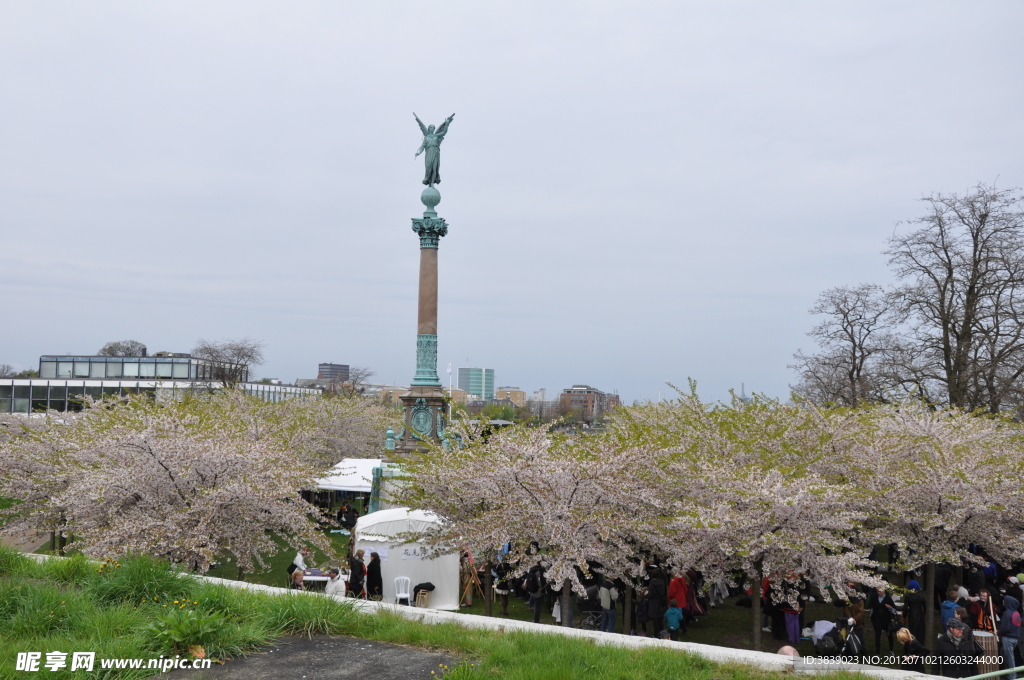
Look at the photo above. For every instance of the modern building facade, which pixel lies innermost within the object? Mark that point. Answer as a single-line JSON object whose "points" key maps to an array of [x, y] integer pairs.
{"points": [[588, 402], [162, 365], [338, 373], [477, 382], [35, 395]]}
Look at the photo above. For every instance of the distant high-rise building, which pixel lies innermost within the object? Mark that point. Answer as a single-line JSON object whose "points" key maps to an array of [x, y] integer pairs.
{"points": [[540, 395], [477, 381], [333, 373]]}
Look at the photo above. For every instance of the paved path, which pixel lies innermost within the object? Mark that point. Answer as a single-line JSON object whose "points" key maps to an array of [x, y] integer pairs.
{"points": [[325, 658], [25, 542]]}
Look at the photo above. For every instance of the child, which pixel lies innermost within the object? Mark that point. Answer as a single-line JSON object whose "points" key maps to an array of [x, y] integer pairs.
{"points": [[674, 619]]}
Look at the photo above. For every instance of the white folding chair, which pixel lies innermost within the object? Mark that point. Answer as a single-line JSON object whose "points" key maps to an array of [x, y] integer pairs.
{"points": [[402, 586]]}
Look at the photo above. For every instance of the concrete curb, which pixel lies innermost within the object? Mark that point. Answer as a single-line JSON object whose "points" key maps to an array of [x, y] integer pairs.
{"points": [[761, 660]]}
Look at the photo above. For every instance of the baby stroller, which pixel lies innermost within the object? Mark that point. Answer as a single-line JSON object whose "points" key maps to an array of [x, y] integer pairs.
{"points": [[590, 610], [832, 639]]}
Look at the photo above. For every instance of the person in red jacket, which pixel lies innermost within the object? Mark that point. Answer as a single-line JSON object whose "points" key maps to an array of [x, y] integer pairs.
{"points": [[679, 590]]}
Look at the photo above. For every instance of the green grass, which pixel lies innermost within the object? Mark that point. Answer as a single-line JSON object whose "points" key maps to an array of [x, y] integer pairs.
{"points": [[141, 607]]}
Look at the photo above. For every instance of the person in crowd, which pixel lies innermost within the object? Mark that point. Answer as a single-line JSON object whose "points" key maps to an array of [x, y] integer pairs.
{"points": [[965, 617], [297, 577], [335, 584], [958, 656], [357, 573], [790, 610], [609, 595], [982, 612], [948, 608], [674, 618], [503, 574], [975, 580], [913, 608], [642, 613], [678, 590], [657, 593], [299, 563], [695, 605], [342, 515], [535, 586], [854, 609], [374, 581], [914, 653], [1009, 632], [882, 610]]}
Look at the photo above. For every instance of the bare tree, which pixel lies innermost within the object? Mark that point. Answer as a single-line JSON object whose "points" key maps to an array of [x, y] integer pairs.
{"points": [[7, 371], [123, 348], [231, 359], [852, 337], [357, 379], [963, 296]]}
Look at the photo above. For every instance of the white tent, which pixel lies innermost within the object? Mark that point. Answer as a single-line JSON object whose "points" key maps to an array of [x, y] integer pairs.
{"points": [[351, 474], [377, 532]]}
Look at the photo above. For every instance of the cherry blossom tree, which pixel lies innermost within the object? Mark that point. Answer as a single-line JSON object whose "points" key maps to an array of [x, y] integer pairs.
{"points": [[202, 479], [753, 487], [942, 481], [528, 487]]}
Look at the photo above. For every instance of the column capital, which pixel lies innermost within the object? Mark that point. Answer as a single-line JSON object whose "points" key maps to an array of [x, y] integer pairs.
{"points": [[430, 229]]}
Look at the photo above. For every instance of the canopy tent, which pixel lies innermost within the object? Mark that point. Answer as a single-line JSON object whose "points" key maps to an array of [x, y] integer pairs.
{"points": [[351, 474], [378, 531]]}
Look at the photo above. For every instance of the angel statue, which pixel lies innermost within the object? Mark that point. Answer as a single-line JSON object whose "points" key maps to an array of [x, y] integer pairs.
{"points": [[432, 145]]}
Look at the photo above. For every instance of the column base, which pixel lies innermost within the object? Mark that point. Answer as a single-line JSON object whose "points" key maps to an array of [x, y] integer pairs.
{"points": [[424, 418]]}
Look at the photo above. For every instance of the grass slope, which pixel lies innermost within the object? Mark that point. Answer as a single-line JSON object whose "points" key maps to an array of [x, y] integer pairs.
{"points": [[143, 607]]}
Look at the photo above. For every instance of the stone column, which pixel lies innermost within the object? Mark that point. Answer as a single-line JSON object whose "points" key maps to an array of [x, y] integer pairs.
{"points": [[424, 417]]}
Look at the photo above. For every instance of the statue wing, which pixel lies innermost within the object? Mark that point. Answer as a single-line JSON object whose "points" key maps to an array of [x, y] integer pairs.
{"points": [[423, 128], [442, 129]]}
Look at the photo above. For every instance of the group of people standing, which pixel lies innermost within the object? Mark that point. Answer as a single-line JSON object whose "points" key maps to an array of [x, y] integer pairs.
{"points": [[981, 626], [364, 579]]}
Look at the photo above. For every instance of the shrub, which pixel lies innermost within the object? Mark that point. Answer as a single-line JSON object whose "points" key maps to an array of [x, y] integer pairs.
{"points": [[141, 579], [200, 633], [13, 563], [74, 570], [308, 615], [39, 610]]}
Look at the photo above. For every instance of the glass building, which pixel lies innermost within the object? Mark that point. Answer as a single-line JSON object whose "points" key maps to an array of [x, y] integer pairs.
{"points": [[478, 381], [166, 367], [35, 395]]}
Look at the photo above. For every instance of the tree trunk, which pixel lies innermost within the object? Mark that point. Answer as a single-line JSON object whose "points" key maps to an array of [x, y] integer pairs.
{"points": [[61, 542], [53, 541], [566, 603], [755, 608], [627, 612], [488, 590], [241, 574], [929, 606]]}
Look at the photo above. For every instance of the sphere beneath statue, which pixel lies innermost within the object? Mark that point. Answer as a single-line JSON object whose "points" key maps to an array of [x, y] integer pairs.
{"points": [[430, 197]]}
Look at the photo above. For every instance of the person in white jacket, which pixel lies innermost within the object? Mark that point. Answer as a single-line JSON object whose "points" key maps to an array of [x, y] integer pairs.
{"points": [[335, 584]]}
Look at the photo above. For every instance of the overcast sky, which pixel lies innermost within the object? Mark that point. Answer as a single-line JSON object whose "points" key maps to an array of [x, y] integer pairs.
{"points": [[637, 192]]}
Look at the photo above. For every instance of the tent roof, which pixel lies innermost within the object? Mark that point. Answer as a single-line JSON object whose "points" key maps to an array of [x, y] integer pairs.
{"points": [[385, 523], [351, 474]]}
